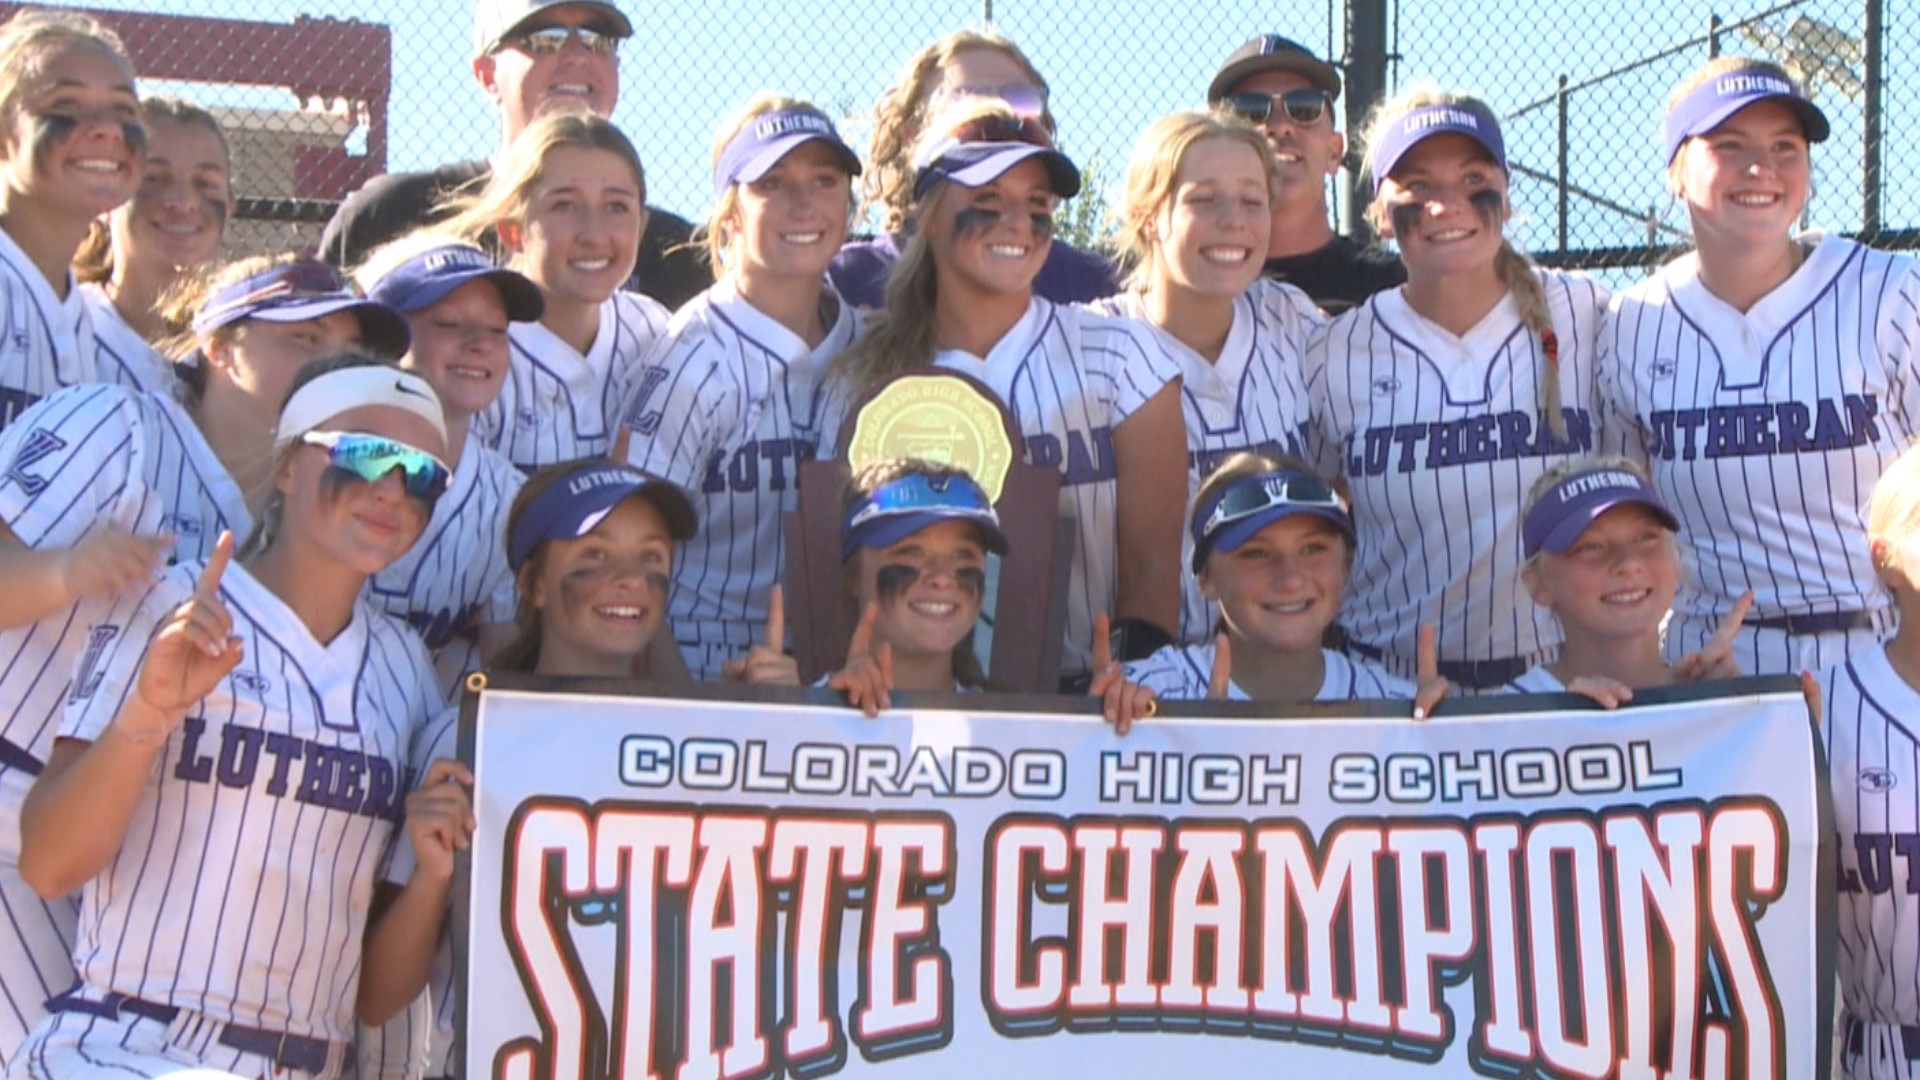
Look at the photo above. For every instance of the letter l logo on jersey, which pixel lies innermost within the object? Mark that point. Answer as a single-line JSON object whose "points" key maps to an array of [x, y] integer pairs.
{"points": [[40, 444]]}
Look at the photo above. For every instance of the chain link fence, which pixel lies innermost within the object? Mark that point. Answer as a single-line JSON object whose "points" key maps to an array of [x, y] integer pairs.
{"points": [[319, 95]]}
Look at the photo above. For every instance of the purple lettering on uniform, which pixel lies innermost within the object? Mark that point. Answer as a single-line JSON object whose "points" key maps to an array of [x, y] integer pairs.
{"points": [[1829, 431], [1378, 448], [380, 789], [193, 767], [1861, 412], [1754, 436], [239, 755], [285, 750], [1792, 419], [351, 795], [1689, 421], [1408, 436], [1090, 464], [316, 774], [775, 451], [1044, 450], [743, 473], [714, 481], [1516, 430], [1908, 845], [1874, 851]]}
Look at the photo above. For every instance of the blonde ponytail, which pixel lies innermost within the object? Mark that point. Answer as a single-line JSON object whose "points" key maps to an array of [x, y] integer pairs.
{"points": [[1518, 275]]}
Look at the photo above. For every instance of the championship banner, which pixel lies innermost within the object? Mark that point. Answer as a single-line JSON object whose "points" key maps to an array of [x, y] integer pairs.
{"points": [[691, 887]]}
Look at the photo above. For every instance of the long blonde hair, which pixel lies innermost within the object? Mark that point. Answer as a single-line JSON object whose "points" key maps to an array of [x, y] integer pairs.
{"points": [[1893, 511], [1706, 73], [1154, 169], [508, 193], [1515, 270], [714, 237], [900, 119]]}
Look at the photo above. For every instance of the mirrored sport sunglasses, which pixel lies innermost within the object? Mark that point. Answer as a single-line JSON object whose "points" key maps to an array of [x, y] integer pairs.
{"points": [[915, 494], [1024, 98], [1002, 129], [1260, 493], [370, 458], [1303, 107], [548, 40]]}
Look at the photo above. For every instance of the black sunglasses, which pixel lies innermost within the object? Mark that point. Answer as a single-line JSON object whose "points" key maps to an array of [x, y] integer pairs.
{"points": [[1304, 107]]}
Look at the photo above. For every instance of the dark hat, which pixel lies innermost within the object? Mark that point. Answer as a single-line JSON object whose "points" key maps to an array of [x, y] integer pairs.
{"points": [[1271, 52], [494, 21]]}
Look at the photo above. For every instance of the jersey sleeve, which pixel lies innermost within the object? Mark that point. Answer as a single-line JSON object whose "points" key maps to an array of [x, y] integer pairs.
{"points": [[500, 594], [1898, 338], [72, 461], [116, 644], [1126, 352], [678, 408], [437, 738], [1322, 436], [643, 326]]}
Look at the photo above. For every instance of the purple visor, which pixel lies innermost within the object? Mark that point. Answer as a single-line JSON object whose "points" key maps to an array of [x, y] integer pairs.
{"points": [[899, 508], [1427, 121], [1252, 503], [978, 152], [302, 291], [573, 505], [1717, 99], [1558, 517], [766, 139], [428, 277]]}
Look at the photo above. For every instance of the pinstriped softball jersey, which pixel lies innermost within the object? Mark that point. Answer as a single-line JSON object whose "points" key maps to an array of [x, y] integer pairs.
{"points": [[558, 405], [45, 342], [727, 408], [455, 579], [1765, 430], [1185, 672], [1871, 720], [242, 889], [1252, 398], [1439, 438], [120, 353]]}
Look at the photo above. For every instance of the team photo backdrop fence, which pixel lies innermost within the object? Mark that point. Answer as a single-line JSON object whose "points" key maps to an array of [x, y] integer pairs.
{"points": [[1580, 85], [695, 887]]}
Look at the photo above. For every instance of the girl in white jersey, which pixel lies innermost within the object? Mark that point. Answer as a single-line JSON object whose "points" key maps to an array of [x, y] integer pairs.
{"points": [[1871, 710], [1442, 401], [1271, 546], [1090, 394], [568, 204], [1601, 557], [1766, 379], [232, 763], [171, 227], [454, 587], [1198, 198], [104, 483], [71, 151], [914, 542], [731, 401]]}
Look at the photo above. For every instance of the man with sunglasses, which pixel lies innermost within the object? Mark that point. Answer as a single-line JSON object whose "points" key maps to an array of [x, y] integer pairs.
{"points": [[1289, 92], [529, 56]]}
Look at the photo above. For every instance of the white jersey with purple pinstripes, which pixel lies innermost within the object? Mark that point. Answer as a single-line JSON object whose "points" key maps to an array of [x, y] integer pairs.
{"points": [[242, 890], [727, 408], [1765, 430], [1440, 437], [1252, 398], [557, 404], [46, 343]]}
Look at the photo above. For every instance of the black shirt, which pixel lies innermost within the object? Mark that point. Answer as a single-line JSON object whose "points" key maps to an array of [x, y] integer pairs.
{"points": [[1339, 274], [390, 206]]}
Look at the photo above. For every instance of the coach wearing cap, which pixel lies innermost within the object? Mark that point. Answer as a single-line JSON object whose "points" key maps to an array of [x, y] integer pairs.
{"points": [[1276, 83], [529, 56]]}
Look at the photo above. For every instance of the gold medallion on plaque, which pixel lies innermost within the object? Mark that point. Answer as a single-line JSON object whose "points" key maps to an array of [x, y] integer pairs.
{"points": [[936, 418]]}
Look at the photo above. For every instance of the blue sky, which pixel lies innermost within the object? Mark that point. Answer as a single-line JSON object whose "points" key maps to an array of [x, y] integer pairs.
{"points": [[1115, 67]]}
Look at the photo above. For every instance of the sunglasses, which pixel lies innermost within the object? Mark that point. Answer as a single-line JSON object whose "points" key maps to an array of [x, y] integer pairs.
{"points": [[1002, 129], [1257, 494], [549, 40], [369, 458], [1024, 98], [1303, 107]]}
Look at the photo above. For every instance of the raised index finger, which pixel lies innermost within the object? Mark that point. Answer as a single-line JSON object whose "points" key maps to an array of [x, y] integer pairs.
{"points": [[1730, 629], [1102, 643], [1222, 674], [216, 568], [1426, 653], [776, 620], [862, 642]]}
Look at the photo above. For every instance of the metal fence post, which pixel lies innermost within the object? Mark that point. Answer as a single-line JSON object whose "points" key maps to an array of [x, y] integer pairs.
{"points": [[1366, 84], [1561, 138], [1872, 135]]}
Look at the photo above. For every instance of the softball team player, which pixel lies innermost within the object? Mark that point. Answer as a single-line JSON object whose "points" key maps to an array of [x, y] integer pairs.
{"points": [[914, 545], [71, 151], [1601, 557], [103, 484], [1195, 222], [1271, 543], [731, 402], [454, 587], [1870, 705], [568, 205], [208, 729], [968, 65], [1766, 378], [172, 226], [1443, 401], [1090, 394]]}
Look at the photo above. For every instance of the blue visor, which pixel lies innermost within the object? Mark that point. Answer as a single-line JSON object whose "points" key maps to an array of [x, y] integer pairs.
{"points": [[573, 505], [900, 508], [1255, 502]]}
